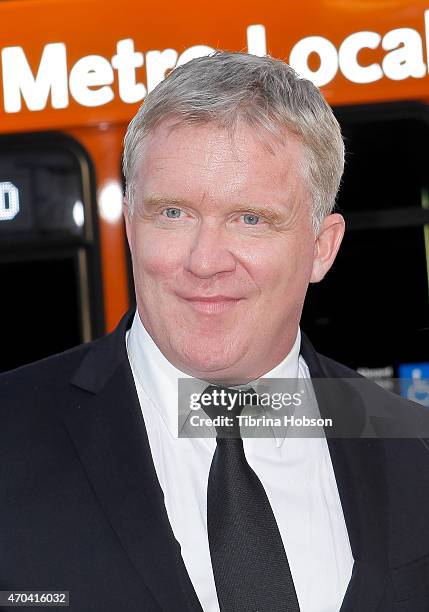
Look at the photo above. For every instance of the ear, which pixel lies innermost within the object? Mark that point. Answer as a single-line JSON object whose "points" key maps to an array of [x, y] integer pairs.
{"points": [[327, 245]]}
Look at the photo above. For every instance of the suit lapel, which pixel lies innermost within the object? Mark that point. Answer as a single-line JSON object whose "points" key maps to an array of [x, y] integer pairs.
{"points": [[359, 471], [107, 428]]}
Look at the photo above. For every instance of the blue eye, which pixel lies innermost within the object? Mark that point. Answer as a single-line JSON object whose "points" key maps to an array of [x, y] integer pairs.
{"points": [[250, 219], [173, 213]]}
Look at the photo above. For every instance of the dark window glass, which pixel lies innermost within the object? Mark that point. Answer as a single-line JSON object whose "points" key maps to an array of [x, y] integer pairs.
{"points": [[386, 164], [372, 308], [41, 313], [40, 194]]}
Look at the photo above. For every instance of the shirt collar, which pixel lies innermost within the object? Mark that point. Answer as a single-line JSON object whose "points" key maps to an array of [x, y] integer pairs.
{"points": [[158, 377]]}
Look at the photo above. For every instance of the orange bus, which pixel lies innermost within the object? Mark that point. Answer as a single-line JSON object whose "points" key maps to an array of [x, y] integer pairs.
{"points": [[73, 73]]}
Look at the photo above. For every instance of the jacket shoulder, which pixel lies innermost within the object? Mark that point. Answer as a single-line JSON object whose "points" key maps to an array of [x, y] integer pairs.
{"points": [[50, 382], [45, 374], [336, 369]]}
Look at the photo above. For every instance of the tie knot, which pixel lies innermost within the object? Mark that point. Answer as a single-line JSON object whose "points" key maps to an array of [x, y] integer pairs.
{"points": [[224, 406]]}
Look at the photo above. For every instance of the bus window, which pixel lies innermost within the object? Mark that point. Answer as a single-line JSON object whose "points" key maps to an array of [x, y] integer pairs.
{"points": [[48, 249], [372, 309]]}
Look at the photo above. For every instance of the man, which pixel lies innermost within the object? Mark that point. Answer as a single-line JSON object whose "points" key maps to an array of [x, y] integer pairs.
{"points": [[232, 166]]}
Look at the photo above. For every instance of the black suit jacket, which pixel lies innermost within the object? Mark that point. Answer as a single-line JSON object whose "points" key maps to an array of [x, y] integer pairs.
{"points": [[81, 508]]}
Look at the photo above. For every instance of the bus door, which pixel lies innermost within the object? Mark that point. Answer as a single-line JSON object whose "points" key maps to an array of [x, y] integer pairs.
{"points": [[49, 263]]}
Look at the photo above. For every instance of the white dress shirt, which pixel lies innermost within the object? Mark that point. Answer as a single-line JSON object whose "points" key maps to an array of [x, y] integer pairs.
{"points": [[297, 475]]}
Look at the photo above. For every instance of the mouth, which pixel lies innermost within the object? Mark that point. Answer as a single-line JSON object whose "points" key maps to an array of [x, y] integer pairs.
{"points": [[212, 305]]}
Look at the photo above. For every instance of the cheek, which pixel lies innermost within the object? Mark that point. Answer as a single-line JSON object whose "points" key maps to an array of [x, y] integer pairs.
{"points": [[285, 270], [156, 256]]}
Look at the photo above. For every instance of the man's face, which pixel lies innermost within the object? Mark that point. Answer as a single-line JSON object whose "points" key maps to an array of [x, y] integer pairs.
{"points": [[222, 247]]}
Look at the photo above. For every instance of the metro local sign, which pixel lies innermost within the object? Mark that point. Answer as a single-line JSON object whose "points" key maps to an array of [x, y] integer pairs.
{"points": [[89, 80]]}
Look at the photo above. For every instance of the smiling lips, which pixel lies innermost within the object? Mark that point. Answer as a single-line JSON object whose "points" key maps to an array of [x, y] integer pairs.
{"points": [[212, 305]]}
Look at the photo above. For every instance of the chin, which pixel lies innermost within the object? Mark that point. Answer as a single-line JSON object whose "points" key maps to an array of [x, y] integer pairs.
{"points": [[198, 365], [205, 362]]}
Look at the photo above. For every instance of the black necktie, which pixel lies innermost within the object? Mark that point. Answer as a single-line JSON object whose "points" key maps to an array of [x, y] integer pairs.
{"points": [[250, 565]]}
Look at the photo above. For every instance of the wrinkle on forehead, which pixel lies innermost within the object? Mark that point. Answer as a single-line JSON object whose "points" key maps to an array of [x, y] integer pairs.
{"points": [[273, 143]]}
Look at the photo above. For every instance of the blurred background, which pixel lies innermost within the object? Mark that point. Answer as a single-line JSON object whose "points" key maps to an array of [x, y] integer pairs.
{"points": [[73, 73]]}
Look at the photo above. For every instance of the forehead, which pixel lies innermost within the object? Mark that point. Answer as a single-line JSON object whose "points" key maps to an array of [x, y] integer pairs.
{"points": [[189, 160]]}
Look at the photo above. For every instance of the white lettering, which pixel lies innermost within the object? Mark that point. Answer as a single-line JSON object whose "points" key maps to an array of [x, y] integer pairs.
{"points": [[126, 61], [256, 40], [19, 80], [91, 77], [426, 18], [92, 71], [9, 201], [157, 64], [306, 421], [348, 57], [327, 53], [193, 52], [407, 58]]}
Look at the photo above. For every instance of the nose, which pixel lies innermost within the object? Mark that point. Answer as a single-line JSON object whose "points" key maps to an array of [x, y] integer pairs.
{"points": [[211, 251]]}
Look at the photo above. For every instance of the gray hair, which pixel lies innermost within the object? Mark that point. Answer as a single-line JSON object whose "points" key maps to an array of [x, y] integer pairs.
{"points": [[264, 92]]}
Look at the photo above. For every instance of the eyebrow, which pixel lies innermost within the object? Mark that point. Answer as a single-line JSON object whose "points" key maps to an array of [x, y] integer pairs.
{"points": [[153, 201]]}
